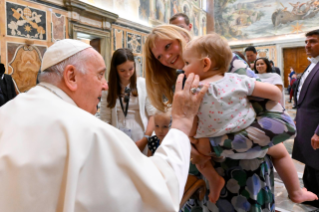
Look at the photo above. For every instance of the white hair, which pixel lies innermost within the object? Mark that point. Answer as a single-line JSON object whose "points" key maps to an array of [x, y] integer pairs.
{"points": [[54, 74]]}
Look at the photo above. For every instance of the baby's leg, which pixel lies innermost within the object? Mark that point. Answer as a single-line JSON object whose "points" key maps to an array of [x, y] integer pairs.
{"points": [[216, 182], [288, 173]]}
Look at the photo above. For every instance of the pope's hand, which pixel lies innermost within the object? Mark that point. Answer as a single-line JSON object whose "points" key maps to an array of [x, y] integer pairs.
{"points": [[186, 103]]}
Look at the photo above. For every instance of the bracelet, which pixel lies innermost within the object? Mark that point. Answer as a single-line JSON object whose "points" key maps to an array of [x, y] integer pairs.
{"points": [[147, 137]]}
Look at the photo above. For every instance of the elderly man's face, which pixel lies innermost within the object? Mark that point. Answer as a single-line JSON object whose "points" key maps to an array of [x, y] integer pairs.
{"points": [[91, 84], [312, 45]]}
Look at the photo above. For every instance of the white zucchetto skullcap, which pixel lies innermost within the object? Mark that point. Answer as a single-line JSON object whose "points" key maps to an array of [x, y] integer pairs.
{"points": [[62, 50]]}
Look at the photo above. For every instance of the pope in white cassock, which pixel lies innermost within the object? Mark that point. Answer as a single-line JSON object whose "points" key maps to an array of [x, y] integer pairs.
{"points": [[56, 156]]}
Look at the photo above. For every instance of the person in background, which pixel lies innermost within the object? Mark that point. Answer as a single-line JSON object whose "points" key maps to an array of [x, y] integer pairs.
{"points": [[306, 145], [264, 70], [162, 122], [241, 55], [181, 20], [292, 72], [7, 89], [274, 69], [292, 88], [125, 105], [251, 55]]}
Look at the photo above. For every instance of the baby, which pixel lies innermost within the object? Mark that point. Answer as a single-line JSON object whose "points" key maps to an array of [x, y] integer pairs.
{"points": [[162, 122], [226, 109]]}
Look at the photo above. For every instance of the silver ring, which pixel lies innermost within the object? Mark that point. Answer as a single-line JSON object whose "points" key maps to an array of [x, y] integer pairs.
{"points": [[193, 90]]}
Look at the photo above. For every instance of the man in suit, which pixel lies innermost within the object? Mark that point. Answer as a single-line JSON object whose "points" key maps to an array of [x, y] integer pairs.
{"points": [[7, 91], [306, 145], [274, 69], [251, 55]]}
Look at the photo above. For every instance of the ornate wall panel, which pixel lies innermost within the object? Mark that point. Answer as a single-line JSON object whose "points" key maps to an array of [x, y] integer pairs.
{"points": [[134, 42], [24, 63], [24, 21], [58, 26]]}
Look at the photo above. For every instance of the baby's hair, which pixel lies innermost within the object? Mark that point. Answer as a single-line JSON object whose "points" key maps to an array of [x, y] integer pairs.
{"points": [[213, 47]]}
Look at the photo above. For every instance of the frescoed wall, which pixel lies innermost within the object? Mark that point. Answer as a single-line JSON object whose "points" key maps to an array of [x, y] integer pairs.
{"points": [[250, 19], [155, 12]]}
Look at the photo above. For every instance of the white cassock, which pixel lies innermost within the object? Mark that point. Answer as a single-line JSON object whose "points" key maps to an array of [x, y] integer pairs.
{"points": [[57, 157]]}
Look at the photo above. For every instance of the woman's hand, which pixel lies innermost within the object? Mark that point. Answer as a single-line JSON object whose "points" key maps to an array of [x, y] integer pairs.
{"points": [[186, 103]]}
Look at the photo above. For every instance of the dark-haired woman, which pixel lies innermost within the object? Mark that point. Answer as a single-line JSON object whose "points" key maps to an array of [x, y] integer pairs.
{"points": [[264, 71], [125, 105]]}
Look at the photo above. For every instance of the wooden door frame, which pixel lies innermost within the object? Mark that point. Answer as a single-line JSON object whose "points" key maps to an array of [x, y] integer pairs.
{"points": [[280, 52]]}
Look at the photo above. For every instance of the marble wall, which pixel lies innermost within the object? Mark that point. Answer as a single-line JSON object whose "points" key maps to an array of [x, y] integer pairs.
{"points": [[29, 29], [126, 37]]}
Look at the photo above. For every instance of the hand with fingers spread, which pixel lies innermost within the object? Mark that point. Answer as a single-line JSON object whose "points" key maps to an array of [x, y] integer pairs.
{"points": [[186, 103]]}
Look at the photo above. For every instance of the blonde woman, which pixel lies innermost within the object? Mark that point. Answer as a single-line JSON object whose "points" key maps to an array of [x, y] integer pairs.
{"points": [[164, 56]]}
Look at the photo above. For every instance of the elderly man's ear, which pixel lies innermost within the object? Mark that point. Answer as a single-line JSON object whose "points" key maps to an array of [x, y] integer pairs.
{"points": [[71, 77]]}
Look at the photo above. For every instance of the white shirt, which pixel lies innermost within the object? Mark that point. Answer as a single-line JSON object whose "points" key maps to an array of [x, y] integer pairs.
{"points": [[314, 62]]}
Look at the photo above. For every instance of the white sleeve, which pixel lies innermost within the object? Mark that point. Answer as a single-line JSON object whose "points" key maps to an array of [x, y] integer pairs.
{"points": [[105, 112], [175, 149]]}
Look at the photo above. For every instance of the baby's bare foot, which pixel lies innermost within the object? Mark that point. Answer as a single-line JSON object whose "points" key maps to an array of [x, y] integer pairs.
{"points": [[303, 195], [215, 188]]}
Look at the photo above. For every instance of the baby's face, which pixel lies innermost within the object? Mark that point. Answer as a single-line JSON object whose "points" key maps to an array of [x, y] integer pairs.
{"points": [[193, 64], [161, 126]]}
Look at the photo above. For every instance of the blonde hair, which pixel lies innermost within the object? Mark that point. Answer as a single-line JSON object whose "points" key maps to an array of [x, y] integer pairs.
{"points": [[215, 48], [160, 79], [167, 112]]}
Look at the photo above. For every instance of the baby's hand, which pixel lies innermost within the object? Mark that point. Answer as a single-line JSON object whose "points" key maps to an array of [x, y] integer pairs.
{"points": [[193, 140]]}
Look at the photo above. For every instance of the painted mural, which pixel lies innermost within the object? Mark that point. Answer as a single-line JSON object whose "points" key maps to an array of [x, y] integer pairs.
{"points": [[154, 12], [248, 19], [26, 22], [144, 10], [175, 7]]}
